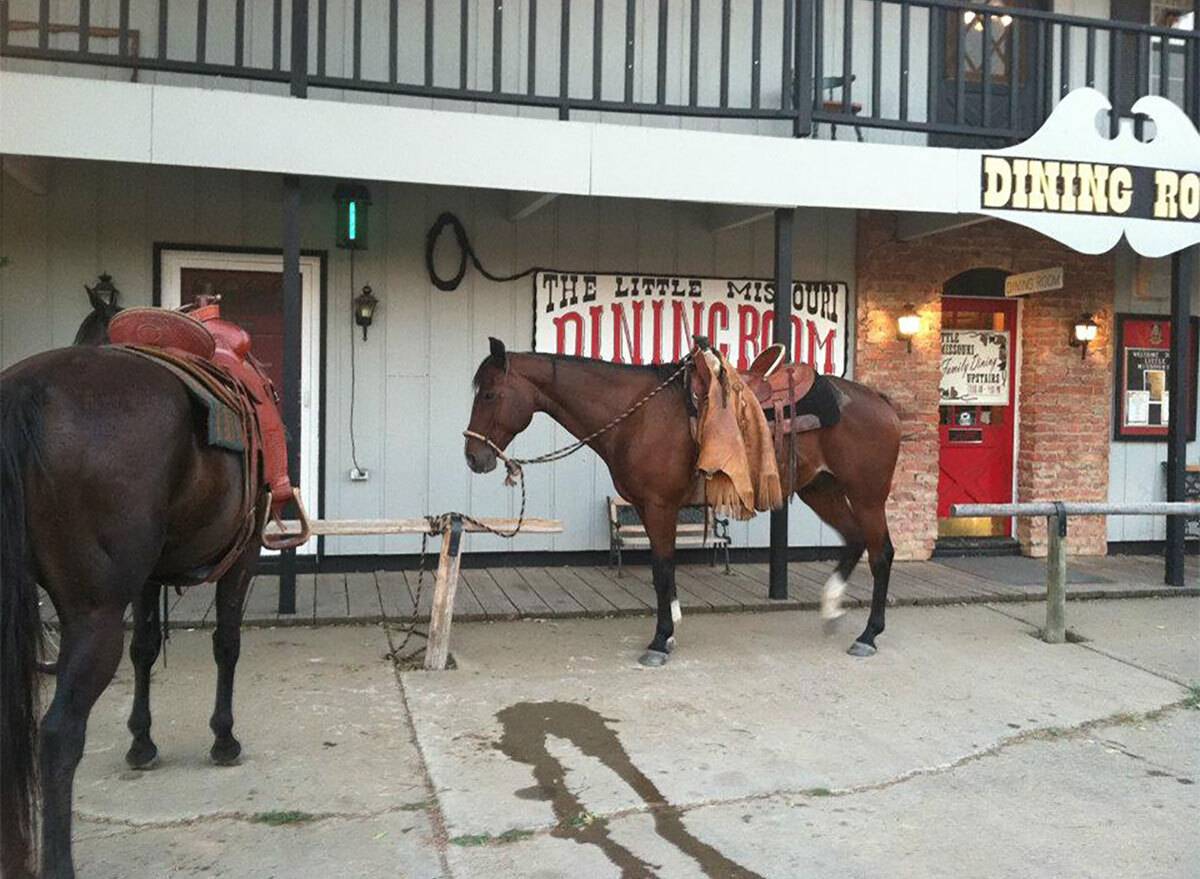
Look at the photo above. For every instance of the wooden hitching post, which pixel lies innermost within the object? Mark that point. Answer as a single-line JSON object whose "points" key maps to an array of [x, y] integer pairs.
{"points": [[1055, 631], [438, 648]]}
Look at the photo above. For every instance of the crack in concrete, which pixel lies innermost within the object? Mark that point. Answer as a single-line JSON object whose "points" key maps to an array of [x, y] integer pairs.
{"points": [[437, 820], [132, 824], [1042, 734]]}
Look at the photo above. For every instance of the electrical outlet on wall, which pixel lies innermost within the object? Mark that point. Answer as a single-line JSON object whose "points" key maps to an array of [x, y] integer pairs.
{"points": [[357, 475]]}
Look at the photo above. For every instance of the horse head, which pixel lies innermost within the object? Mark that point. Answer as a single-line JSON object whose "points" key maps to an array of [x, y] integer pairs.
{"points": [[103, 298], [504, 405]]}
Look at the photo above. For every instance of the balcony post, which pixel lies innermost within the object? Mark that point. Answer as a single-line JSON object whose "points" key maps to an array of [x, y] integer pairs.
{"points": [[784, 246], [1183, 272], [292, 305], [802, 94]]}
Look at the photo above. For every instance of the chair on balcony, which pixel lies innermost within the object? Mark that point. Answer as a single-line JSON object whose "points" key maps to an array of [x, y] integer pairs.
{"points": [[829, 84]]}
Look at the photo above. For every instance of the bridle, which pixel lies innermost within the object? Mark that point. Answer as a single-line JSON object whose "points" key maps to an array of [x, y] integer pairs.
{"points": [[515, 466]]}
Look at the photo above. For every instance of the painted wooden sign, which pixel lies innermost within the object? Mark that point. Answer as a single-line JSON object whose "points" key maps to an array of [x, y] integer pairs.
{"points": [[1034, 282], [1074, 184], [637, 318]]}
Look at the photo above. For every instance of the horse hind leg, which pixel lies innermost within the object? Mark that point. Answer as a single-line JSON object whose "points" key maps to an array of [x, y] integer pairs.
{"points": [[144, 649], [227, 648], [88, 658], [880, 553], [828, 500]]}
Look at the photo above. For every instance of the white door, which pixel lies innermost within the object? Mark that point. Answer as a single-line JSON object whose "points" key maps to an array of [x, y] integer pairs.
{"points": [[251, 285]]}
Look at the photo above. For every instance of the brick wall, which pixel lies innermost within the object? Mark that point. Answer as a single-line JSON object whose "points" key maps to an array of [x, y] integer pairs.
{"points": [[1064, 403]]}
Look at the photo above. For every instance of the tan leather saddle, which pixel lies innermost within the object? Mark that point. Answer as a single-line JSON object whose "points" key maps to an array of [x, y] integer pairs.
{"points": [[217, 354]]}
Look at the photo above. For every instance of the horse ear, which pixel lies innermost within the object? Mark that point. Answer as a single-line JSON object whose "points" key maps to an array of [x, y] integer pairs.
{"points": [[98, 303], [498, 356]]}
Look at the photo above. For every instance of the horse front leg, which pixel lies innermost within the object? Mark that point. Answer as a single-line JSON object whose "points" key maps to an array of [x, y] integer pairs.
{"points": [[660, 523], [143, 652], [227, 647]]}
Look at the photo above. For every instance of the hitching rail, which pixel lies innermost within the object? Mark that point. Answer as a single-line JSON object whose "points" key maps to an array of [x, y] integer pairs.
{"points": [[1056, 513], [438, 646]]}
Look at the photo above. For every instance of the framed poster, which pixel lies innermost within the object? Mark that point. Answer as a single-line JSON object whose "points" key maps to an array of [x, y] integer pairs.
{"points": [[1141, 402], [974, 367]]}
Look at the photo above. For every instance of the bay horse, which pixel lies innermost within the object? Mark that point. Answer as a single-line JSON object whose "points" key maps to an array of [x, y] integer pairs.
{"points": [[843, 472], [109, 494]]}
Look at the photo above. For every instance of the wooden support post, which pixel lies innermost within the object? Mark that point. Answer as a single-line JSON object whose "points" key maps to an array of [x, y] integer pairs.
{"points": [[784, 217], [1183, 272], [1055, 631], [438, 648]]}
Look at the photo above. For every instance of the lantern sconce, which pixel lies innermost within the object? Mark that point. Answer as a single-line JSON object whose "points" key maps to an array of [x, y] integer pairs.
{"points": [[908, 324], [104, 295], [364, 309], [1083, 331]]}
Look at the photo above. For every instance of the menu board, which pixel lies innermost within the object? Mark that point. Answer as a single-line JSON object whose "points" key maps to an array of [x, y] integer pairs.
{"points": [[1143, 402], [974, 367]]}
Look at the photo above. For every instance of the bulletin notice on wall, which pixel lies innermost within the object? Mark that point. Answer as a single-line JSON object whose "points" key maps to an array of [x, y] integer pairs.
{"points": [[1143, 366], [975, 368]]}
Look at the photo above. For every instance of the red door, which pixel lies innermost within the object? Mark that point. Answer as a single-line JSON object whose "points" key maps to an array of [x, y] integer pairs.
{"points": [[976, 425]]}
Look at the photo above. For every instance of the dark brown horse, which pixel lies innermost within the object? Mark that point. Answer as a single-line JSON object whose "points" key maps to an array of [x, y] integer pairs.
{"points": [[844, 472], [109, 494]]}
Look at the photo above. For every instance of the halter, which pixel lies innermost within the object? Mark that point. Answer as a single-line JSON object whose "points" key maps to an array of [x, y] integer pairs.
{"points": [[515, 466]]}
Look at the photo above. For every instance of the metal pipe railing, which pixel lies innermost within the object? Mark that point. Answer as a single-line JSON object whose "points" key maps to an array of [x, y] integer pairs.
{"points": [[1056, 513]]}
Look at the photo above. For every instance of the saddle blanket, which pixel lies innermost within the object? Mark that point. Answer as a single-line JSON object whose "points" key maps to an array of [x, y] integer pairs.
{"points": [[223, 427]]}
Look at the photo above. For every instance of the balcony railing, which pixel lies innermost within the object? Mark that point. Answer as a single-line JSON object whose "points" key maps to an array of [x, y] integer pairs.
{"points": [[933, 70]]}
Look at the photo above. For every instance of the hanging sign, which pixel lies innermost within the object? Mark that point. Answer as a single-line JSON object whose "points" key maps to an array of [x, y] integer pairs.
{"points": [[1143, 361], [1034, 282], [651, 318], [1074, 184], [974, 368]]}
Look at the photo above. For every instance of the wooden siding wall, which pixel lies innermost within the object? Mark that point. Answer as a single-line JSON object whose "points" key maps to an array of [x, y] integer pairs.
{"points": [[414, 372], [514, 73], [1135, 470]]}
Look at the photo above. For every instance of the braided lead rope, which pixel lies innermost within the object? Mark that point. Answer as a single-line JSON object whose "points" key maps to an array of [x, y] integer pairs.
{"points": [[514, 465]]}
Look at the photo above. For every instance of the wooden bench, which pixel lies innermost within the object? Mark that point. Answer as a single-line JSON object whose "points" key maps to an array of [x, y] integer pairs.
{"points": [[697, 526]]}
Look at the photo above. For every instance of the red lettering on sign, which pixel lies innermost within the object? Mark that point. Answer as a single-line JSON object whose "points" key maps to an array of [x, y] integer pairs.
{"points": [[718, 313], [560, 325], [597, 313], [657, 307], [748, 322]]}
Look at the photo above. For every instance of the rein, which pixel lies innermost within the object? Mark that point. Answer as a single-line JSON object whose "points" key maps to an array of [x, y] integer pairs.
{"points": [[515, 466]]}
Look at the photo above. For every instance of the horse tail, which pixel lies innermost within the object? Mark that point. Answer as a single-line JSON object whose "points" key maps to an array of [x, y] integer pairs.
{"points": [[20, 628]]}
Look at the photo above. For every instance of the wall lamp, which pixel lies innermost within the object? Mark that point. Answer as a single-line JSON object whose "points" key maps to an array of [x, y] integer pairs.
{"points": [[908, 324], [1083, 331], [364, 309]]}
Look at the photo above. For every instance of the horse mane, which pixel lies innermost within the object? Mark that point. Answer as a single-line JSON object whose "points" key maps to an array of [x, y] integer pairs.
{"points": [[662, 370]]}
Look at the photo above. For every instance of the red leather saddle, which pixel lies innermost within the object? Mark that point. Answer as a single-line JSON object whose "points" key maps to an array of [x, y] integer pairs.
{"points": [[199, 339]]}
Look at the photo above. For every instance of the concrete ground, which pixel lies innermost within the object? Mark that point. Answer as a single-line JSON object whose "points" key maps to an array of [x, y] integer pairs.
{"points": [[966, 747]]}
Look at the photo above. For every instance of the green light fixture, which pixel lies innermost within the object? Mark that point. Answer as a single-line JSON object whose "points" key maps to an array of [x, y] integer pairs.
{"points": [[353, 200]]}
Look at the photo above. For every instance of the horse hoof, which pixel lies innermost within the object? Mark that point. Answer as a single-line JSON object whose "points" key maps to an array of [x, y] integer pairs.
{"points": [[143, 757], [830, 625], [226, 753], [858, 648], [653, 659]]}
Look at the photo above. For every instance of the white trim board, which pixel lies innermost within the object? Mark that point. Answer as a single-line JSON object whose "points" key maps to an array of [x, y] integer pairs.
{"points": [[172, 262]]}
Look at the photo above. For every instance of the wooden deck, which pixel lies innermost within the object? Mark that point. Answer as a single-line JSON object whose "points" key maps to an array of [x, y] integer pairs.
{"points": [[534, 592]]}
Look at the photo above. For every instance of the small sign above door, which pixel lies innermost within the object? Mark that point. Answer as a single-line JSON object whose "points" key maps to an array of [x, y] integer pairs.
{"points": [[1034, 282]]}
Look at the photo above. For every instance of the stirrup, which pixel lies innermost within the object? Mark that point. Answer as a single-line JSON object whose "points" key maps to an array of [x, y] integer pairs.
{"points": [[281, 540]]}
